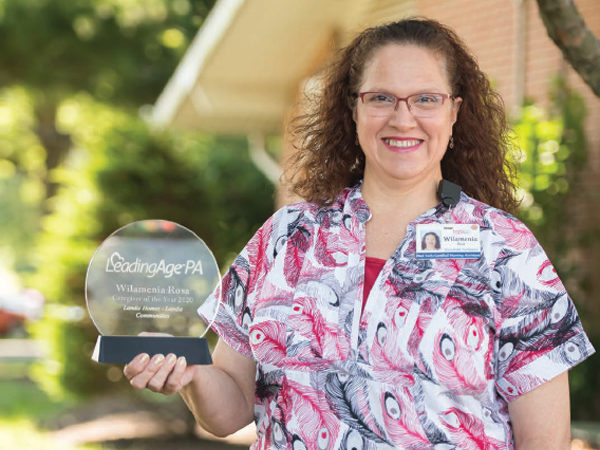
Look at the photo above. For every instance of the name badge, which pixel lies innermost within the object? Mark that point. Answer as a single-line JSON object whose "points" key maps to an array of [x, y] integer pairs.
{"points": [[448, 241]]}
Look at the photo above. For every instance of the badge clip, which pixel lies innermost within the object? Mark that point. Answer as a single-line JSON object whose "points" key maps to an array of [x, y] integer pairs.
{"points": [[449, 193]]}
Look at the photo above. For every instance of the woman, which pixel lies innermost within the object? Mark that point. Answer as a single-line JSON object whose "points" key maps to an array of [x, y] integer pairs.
{"points": [[333, 334], [430, 242]]}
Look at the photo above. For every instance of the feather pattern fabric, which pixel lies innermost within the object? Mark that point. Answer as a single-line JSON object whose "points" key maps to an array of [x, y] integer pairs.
{"points": [[344, 397], [432, 361], [467, 430], [401, 421], [311, 410]]}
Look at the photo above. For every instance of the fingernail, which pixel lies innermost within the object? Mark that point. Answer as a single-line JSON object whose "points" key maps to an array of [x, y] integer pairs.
{"points": [[158, 358], [171, 358], [144, 358], [181, 361]]}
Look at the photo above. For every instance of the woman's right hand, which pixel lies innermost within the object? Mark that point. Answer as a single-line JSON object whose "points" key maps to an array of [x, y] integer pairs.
{"points": [[166, 375], [220, 395]]}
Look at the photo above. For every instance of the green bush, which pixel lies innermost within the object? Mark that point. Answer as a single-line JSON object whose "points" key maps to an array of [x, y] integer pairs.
{"points": [[22, 172], [551, 155], [122, 172]]}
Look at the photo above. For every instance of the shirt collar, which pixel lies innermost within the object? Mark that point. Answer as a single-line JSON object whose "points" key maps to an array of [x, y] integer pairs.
{"points": [[353, 204]]}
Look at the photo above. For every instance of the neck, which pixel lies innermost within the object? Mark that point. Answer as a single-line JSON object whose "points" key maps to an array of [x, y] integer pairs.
{"points": [[413, 197]]}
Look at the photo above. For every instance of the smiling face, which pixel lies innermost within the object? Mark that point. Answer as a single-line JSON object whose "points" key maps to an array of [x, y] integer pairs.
{"points": [[400, 147], [430, 242]]}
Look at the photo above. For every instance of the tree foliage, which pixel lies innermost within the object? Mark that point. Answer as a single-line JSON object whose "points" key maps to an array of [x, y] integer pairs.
{"points": [[73, 76], [118, 51], [128, 172], [121, 52], [22, 175], [551, 154]]}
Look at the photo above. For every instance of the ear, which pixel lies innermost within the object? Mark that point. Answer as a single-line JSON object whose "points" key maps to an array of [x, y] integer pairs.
{"points": [[455, 108], [354, 113]]}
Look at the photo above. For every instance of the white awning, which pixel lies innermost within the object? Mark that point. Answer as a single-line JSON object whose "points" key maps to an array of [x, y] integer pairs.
{"points": [[242, 71]]}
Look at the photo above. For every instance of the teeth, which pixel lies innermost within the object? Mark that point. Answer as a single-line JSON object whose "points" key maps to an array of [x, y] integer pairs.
{"points": [[402, 143]]}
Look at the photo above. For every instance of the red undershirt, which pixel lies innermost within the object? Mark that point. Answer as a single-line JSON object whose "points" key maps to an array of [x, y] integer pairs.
{"points": [[372, 268]]}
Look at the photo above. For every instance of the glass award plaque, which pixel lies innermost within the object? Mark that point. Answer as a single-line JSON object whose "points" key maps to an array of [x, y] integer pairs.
{"points": [[151, 276]]}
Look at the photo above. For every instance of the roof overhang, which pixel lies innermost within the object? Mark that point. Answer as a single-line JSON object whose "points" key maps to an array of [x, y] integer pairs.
{"points": [[242, 70]]}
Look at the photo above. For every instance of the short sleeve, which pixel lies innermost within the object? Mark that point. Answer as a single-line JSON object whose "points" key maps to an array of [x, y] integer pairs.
{"points": [[539, 333], [230, 305]]}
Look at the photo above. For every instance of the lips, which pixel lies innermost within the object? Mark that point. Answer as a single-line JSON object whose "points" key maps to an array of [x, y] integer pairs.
{"points": [[402, 144]]}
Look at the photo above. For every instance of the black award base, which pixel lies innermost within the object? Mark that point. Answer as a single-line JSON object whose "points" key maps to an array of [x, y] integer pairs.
{"points": [[122, 349]]}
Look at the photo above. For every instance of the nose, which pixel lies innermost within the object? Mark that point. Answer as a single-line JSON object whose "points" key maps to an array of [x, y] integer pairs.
{"points": [[401, 116]]}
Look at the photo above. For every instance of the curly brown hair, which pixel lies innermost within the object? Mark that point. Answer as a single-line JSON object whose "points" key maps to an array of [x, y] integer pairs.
{"points": [[327, 157]]}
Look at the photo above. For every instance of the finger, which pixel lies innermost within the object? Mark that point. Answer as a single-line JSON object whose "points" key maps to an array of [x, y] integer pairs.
{"points": [[136, 365], [157, 382], [175, 380], [140, 381]]}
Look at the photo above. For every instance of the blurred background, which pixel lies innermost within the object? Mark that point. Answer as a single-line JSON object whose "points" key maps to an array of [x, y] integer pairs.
{"points": [[113, 111]]}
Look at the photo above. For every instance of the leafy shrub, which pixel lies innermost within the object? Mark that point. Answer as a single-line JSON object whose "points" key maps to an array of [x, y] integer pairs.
{"points": [[551, 154], [129, 172]]}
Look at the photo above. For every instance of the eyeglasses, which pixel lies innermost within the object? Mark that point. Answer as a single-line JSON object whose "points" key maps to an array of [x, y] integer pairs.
{"points": [[380, 104]]}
